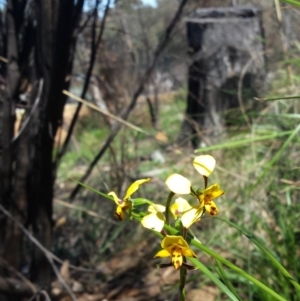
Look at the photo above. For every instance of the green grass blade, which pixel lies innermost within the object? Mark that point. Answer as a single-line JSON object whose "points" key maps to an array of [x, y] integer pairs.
{"points": [[94, 190], [293, 2], [213, 278], [225, 279], [277, 155], [242, 142], [266, 251], [279, 97], [238, 270]]}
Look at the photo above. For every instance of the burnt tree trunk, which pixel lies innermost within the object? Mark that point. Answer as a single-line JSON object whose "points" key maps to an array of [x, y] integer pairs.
{"points": [[226, 51], [38, 43]]}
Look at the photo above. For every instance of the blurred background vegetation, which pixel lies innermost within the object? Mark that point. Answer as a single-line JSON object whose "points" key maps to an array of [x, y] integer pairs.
{"points": [[258, 163]]}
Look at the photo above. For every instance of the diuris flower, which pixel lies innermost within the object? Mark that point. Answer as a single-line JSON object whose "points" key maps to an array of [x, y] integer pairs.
{"points": [[176, 247], [206, 197], [155, 220], [189, 214], [124, 204]]}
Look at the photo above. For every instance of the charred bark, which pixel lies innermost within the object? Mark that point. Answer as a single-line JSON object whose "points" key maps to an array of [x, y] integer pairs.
{"points": [[39, 43]]}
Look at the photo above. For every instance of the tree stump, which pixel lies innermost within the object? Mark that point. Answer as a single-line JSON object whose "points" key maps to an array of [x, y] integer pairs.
{"points": [[227, 66]]}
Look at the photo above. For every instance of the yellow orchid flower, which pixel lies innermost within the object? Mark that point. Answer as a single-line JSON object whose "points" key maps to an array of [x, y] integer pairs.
{"points": [[189, 214], [155, 220], [124, 204], [178, 184], [206, 198], [176, 247], [204, 164]]}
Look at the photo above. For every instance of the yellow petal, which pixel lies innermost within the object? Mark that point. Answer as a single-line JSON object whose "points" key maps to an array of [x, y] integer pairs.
{"points": [[212, 208], [188, 253], [162, 253], [215, 191], [119, 214], [170, 240], [154, 208], [191, 216], [204, 164], [116, 199], [154, 221], [134, 187], [178, 184]]}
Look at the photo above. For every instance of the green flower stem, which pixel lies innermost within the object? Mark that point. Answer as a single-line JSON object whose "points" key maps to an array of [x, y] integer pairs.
{"points": [[170, 196], [205, 181], [184, 232], [193, 192], [183, 273]]}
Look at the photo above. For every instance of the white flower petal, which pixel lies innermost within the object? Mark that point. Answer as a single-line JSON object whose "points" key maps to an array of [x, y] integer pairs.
{"points": [[154, 208], [204, 164], [178, 184], [191, 216], [153, 221]]}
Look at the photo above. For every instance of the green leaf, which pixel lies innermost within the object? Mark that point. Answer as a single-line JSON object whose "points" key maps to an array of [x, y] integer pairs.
{"points": [[277, 155], [238, 270], [225, 279], [279, 97], [243, 142], [141, 201], [94, 190], [213, 278], [265, 251], [293, 2]]}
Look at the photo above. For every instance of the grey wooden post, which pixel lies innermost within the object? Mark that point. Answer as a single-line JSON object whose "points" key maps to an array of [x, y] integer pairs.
{"points": [[226, 51]]}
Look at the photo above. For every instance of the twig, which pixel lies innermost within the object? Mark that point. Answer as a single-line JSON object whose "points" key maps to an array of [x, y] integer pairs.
{"points": [[79, 99], [59, 277], [34, 240], [3, 59], [89, 212], [132, 104], [46, 252], [95, 46], [42, 292], [40, 246], [49, 255], [18, 274], [11, 286]]}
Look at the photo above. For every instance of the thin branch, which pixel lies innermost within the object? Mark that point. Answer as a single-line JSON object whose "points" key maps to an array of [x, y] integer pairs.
{"points": [[14, 287], [43, 293], [84, 25], [137, 93], [83, 101], [49, 255], [12, 270], [46, 252], [89, 212], [94, 48]]}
